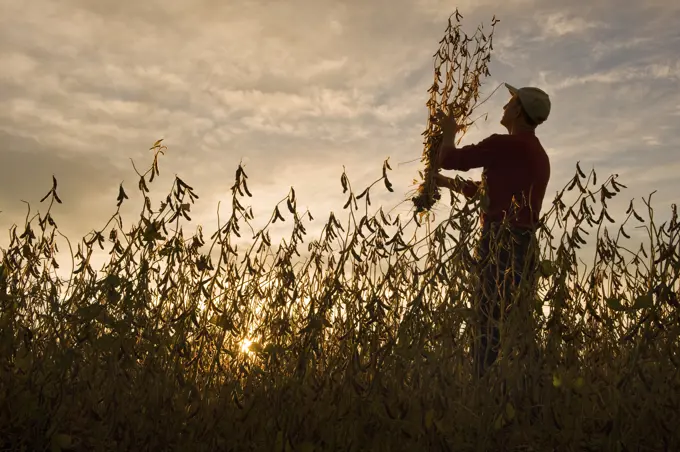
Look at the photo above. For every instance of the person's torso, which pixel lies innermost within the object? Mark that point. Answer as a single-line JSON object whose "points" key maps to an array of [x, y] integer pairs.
{"points": [[517, 190]]}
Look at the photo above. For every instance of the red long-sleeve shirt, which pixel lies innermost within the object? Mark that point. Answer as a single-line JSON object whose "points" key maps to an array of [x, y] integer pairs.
{"points": [[515, 167]]}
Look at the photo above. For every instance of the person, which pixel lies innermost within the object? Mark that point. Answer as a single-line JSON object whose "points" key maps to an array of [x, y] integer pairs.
{"points": [[516, 172]]}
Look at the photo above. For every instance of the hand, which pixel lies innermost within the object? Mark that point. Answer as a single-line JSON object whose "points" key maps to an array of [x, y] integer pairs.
{"points": [[444, 182], [447, 124]]}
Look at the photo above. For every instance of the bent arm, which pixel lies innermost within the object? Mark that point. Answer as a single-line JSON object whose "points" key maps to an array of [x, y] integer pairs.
{"points": [[468, 188], [487, 152]]}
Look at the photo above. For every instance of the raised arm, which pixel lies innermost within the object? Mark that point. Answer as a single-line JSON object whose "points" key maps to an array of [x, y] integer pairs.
{"points": [[488, 152]]}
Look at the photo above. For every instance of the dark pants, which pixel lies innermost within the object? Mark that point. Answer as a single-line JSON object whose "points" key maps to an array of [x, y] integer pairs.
{"points": [[506, 266]]}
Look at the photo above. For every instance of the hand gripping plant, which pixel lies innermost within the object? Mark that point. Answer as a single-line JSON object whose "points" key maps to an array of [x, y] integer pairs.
{"points": [[463, 68]]}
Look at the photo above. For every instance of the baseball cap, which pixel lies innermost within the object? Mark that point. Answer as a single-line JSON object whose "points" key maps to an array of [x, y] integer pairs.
{"points": [[534, 101]]}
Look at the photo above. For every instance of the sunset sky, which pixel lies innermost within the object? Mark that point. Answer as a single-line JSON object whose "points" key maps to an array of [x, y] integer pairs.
{"points": [[298, 88]]}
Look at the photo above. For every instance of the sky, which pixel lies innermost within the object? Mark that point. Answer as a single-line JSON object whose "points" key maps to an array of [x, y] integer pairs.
{"points": [[299, 90]]}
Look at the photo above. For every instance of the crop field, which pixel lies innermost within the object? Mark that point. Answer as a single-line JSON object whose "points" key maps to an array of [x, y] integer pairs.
{"points": [[353, 340], [357, 339]]}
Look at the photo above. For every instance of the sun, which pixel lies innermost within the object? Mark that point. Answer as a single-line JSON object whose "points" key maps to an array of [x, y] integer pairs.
{"points": [[245, 344]]}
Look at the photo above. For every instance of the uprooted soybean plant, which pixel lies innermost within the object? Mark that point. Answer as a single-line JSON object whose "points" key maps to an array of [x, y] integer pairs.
{"points": [[463, 67], [354, 340]]}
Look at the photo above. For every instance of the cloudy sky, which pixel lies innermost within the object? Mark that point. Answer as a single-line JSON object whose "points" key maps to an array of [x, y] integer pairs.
{"points": [[296, 89]]}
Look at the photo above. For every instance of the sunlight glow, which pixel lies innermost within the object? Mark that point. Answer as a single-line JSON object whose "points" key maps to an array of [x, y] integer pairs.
{"points": [[245, 344]]}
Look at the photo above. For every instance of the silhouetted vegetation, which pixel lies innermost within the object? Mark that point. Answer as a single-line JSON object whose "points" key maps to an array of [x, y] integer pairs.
{"points": [[354, 340]]}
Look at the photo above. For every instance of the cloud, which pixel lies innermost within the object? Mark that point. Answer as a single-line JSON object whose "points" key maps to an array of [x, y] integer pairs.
{"points": [[605, 48], [560, 24], [658, 71], [298, 90]]}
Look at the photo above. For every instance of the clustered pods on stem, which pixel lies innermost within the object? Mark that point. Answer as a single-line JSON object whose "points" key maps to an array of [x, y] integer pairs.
{"points": [[463, 62]]}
